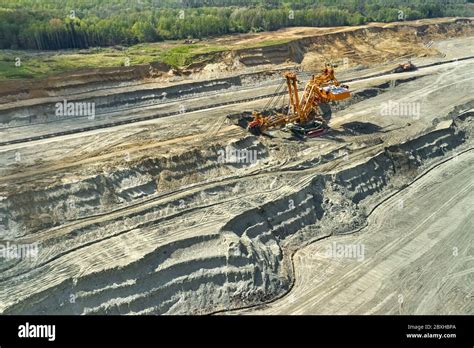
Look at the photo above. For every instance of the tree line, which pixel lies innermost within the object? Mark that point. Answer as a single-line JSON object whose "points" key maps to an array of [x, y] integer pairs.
{"points": [[62, 24]]}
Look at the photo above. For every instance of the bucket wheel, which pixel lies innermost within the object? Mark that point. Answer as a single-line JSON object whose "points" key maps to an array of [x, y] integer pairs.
{"points": [[255, 128]]}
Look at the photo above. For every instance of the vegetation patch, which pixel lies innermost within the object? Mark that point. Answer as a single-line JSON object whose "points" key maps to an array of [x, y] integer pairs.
{"points": [[184, 55]]}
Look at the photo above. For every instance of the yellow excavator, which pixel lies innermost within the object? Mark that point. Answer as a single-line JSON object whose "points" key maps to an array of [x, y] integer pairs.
{"points": [[303, 114]]}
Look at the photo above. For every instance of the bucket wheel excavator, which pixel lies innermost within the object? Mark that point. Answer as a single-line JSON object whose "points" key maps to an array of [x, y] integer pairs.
{"points": [[303, 114]]}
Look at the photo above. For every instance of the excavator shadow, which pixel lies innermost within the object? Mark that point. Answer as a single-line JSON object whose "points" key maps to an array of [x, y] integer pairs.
{"points": [[353, 129], [359, 128]]}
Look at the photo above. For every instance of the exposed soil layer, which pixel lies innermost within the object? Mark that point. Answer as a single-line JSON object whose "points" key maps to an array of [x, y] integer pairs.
{"points": [[244, 261], [356, 47]]}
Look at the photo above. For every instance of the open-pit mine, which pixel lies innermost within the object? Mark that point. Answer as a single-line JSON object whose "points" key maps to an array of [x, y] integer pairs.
{"points": [[140, 189]]}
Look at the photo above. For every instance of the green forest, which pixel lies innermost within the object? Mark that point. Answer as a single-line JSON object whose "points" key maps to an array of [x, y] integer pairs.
{"points": [[62, 24]]}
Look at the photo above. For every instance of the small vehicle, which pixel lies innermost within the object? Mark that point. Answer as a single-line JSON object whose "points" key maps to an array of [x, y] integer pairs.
{"points": [[404, 67]]}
